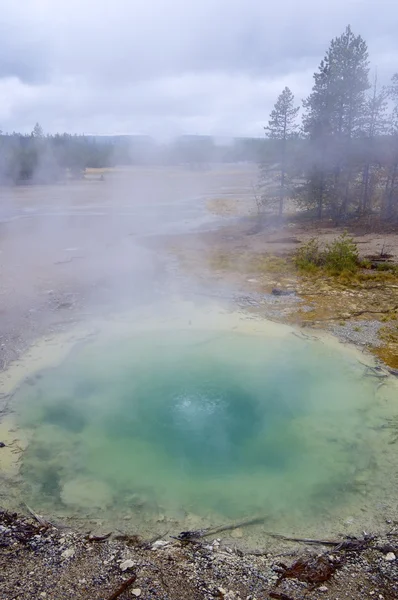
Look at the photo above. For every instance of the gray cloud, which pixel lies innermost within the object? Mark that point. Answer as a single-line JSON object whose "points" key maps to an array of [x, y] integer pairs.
{"points": [[171, 66]]}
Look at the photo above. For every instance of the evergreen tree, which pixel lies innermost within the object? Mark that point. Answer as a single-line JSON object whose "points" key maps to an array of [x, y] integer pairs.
{"points": [[389, 207], [282, 126], [38, 131], [334, 117], [375, 126]]}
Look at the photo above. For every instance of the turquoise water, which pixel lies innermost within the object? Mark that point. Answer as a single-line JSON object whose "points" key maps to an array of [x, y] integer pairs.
{"points": [[201, 427]]}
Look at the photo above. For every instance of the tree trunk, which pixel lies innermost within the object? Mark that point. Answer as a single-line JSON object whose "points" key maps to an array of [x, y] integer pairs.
{"points": [[283, 170], [390, 203], [364, 204]]}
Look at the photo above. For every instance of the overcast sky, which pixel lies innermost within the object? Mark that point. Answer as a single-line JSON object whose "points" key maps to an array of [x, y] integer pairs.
{"points": [[166, 67]]}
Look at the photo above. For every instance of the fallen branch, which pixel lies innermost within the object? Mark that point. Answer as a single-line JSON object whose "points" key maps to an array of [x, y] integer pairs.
{"points": [[199, 533], [125, 585], [310, 541], [42, 522], [348, 544]]}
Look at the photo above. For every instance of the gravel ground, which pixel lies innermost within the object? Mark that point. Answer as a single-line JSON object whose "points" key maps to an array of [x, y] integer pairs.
{"points": [[55, 563], [363, 333]]}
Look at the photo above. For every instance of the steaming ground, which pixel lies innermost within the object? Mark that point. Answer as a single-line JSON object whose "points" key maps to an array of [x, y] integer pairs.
{"points": [[70, 251], [88, 250]]}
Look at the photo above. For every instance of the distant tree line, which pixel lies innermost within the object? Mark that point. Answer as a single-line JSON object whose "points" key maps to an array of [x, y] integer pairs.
{"points": [[342, 159], [40, 158], [43, 158]]}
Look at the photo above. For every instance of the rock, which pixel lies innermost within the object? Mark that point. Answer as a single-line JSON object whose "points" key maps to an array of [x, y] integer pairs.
{"points": [[136, 592], [126, 564], [159, 544], [2, 445], [68, 553], [280, 292], [390, 556], [323, 589]]}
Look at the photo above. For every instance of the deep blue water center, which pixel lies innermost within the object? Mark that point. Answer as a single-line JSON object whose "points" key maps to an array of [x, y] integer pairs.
{"points": [[195, 422]]}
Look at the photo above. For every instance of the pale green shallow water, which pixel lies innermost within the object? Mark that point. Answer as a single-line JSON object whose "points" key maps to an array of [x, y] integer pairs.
{"points": [[192, 428]]}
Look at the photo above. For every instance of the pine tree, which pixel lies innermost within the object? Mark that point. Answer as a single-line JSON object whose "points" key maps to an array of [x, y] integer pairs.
{"points": [[390, 196], [334, 117], [282, 126], [375, 126], [38, 131]]}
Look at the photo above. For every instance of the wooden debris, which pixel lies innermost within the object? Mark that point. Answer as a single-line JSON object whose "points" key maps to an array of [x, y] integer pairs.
{"points": [[313, 570], [310, 541], [42, 522], [125, 585], [350, 544], [188, 536]]}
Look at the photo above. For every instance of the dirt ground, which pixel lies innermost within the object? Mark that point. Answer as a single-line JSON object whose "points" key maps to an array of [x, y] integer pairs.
{"points": [[68, 253]]}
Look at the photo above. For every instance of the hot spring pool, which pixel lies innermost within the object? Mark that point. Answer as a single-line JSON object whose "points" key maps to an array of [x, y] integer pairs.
{"points": [[185, 428]]}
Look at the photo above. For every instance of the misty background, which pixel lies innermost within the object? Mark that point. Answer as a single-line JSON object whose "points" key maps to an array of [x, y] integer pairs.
{"points": [[168, 68]]}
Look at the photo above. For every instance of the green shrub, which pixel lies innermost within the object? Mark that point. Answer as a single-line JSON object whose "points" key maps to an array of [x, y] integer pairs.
{"points": [[340, 256], [387, 267], [309, 256]]}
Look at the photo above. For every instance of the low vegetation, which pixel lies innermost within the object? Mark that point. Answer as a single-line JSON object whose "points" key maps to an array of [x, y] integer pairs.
{"points": [[336, 258]]}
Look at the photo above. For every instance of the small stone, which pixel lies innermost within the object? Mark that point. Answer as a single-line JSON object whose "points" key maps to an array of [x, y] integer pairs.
{"points": [[323, 589], [68, 553], [43, 594], [136, 592], [159, 544], [390, 556], [126, 564], [2, 445], [222, 592]]}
